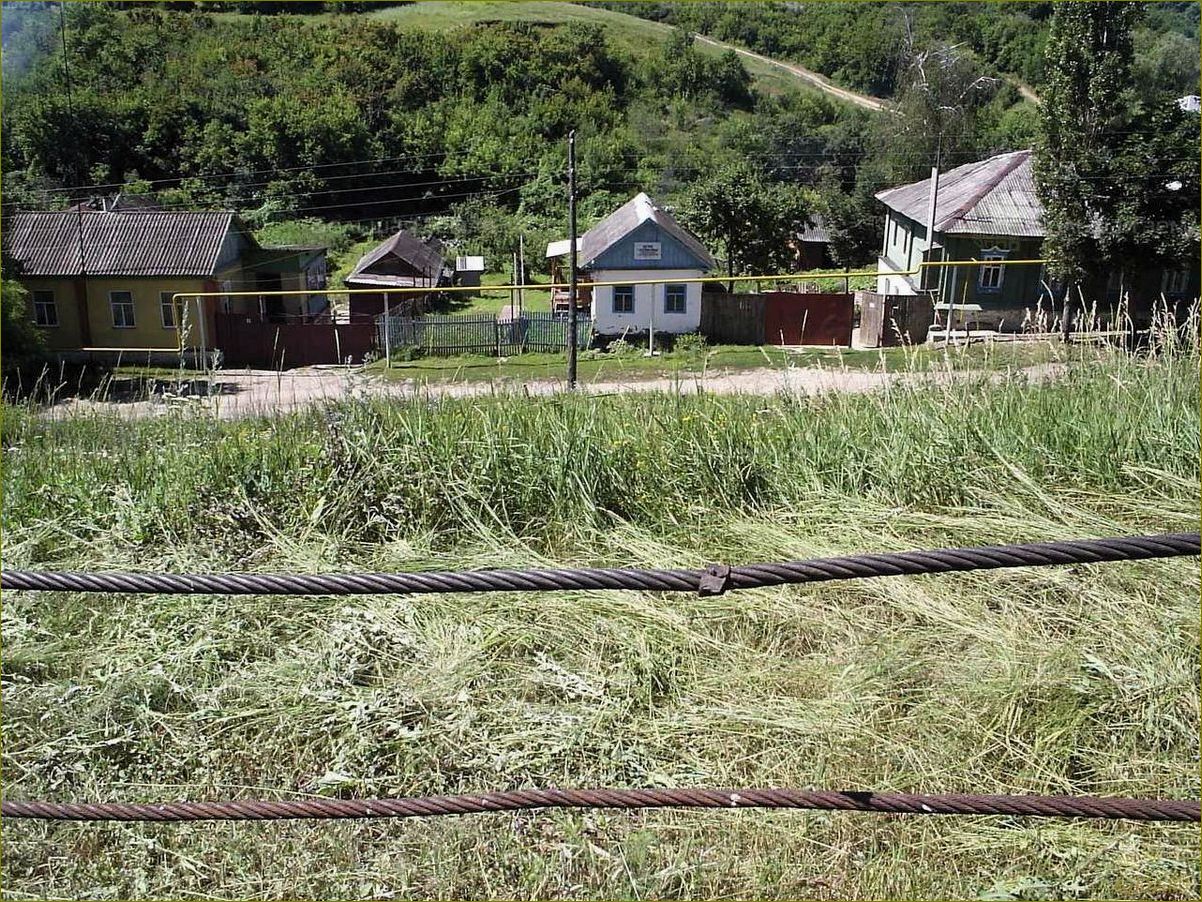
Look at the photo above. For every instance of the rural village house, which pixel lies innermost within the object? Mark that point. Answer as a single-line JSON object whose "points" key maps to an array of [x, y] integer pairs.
{"points": [[401, 261], [101, 282], [636, 242], [989, 211]]}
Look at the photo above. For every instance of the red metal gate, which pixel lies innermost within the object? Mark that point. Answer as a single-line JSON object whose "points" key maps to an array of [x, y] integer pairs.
{"points": [[792, 318], [246, 341]]}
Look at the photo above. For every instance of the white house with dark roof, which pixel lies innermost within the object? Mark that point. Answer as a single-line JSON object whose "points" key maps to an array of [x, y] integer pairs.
{"points": [[641, 242]]}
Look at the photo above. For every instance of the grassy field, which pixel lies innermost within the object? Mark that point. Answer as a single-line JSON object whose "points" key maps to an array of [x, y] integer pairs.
{"points": [[597, 366], [1061, 680]]}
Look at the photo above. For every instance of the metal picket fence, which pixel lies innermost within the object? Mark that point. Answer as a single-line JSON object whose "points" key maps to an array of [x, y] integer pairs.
{"points": [[481, 334]]}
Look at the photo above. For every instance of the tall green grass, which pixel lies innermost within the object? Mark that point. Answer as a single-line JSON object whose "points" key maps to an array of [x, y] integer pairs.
{"points": [[1076, 680]]}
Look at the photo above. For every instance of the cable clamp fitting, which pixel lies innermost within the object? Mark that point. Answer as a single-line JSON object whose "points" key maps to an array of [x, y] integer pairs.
{"points": [[715, 580]]}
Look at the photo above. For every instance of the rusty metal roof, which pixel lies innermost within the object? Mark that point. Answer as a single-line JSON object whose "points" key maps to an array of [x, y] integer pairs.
{"points": [[624, 220], [118, 244], [990, 197]]}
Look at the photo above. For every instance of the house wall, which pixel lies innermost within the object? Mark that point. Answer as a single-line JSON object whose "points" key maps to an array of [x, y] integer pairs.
{"points": [[648, 302], [902, 248], [148, 331], [1021, 288], [66, 335]]}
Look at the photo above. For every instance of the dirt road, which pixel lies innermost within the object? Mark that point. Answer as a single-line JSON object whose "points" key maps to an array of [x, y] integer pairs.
{"points": [[244, 393], [818, 81]]}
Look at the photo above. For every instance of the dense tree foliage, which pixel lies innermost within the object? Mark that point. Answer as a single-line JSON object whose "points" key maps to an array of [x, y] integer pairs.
{"points": [[460, 133], [20, 342], [1117, 167], [749, 220], [353, 119], [852, 43]]}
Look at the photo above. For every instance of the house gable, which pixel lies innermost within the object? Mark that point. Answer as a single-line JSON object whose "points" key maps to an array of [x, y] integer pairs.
{"points": [[639, 248]]}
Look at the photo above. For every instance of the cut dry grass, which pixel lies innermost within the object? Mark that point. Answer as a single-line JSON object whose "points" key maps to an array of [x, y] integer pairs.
{"points": [[1073, 680]]}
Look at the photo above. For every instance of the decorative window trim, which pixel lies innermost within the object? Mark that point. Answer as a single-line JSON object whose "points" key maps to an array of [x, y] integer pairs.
{"points": [[40, 306], [113, 304], [987, 270]]}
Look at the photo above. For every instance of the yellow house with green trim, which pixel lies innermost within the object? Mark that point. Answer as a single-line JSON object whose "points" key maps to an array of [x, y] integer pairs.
{"points": [[102, 283]]}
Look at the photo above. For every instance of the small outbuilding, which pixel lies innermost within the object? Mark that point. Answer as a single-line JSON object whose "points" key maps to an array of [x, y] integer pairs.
{"points": [[403, 261], [469, 271]]}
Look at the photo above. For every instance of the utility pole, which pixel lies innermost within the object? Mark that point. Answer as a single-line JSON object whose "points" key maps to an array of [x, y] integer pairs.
{"points": [[931, 224], [572, 259], [521, 273]]}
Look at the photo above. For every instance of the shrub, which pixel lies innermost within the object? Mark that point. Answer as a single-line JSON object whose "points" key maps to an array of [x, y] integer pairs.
{"points": [[692, 344]]}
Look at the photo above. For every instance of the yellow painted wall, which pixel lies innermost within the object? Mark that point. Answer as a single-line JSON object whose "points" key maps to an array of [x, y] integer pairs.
{"points": [[148, 331], [65, 336]]}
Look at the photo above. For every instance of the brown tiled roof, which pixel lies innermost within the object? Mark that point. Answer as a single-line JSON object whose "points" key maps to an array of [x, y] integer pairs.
{"points": [[118, 244], [990, 197]]}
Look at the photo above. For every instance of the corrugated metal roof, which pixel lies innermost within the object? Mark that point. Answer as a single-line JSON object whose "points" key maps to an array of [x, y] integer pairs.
{"points": [[990, 197], [423, 256], [118, 244], [816, 231], [625, 220]]}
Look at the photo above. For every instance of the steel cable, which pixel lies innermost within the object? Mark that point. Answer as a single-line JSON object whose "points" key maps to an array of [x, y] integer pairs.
{"points": [[526, 799], [711, 581]]}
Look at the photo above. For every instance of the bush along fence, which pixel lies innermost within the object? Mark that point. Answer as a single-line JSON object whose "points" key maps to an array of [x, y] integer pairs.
{"points": [[480, 334], [713, 580]]}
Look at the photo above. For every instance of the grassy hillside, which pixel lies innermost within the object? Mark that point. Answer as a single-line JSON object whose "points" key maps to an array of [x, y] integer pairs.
{"points": [[1054, 680], [634, 35]]}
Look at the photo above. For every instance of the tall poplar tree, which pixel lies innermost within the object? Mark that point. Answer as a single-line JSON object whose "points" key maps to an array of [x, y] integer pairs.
{"points": [[1088, 107]]}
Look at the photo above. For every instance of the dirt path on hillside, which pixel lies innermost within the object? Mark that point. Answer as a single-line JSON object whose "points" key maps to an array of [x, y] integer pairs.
{"points": [[242, 393], [818, 81]]}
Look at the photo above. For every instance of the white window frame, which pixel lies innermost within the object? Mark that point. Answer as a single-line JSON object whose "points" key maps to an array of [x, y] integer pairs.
{"points": [[624, 289], [40, 306], [994, 253], [681, 290], [167, 303], [113, 304]]}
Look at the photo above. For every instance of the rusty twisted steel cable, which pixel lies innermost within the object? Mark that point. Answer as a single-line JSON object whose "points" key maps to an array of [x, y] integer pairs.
{"points": [[713, 580], [526, 799]]}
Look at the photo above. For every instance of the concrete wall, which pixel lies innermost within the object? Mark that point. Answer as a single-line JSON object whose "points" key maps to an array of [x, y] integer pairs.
{"points": [[648, 302]]}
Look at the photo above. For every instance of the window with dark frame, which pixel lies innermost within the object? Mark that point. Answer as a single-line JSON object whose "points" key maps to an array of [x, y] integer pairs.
{"points": [[675, 298], [122, 305], [45, 310], [623, 299]]}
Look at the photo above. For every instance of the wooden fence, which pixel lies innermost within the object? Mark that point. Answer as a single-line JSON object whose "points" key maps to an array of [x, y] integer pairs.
{"points": [[734, 319], [481, 334]]}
